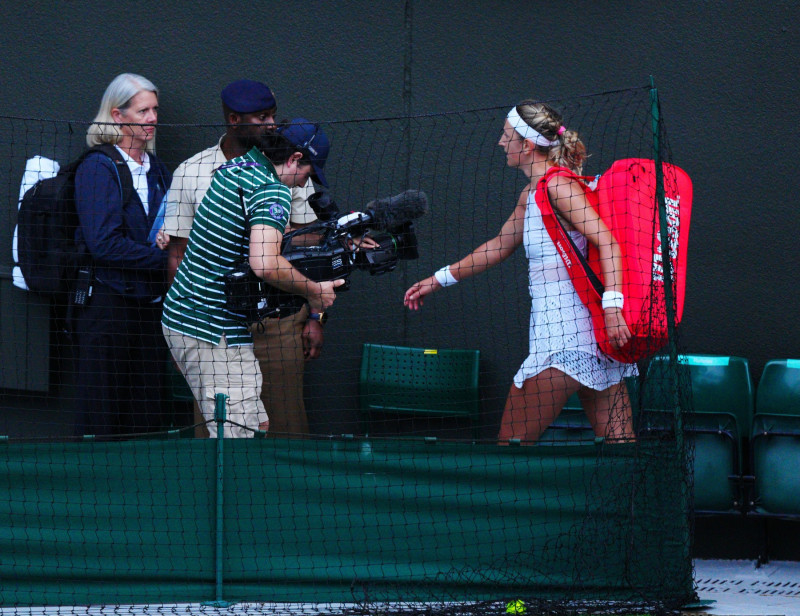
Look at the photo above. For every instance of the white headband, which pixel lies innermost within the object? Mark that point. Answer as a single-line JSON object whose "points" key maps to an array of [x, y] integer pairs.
{"points": [[526, 131]]}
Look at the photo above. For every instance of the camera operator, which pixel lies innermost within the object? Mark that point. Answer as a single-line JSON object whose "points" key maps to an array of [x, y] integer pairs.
{"points": [[283, 345], [250, 195]]}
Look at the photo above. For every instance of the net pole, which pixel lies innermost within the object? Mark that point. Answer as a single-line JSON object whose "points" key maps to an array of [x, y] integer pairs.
{"points": [[666, 257], [407, 85], [408, 11], [682, 465], [219, 418]]}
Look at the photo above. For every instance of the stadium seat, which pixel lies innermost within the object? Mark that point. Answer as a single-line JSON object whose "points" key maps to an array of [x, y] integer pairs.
{"points": [[778, 390], [775, 440], [719, 384], [572, 426], [717, 428], [418, 381]]}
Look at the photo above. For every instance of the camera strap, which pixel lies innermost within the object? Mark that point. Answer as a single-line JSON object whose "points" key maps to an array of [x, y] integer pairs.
{"points": [[246, 215]]}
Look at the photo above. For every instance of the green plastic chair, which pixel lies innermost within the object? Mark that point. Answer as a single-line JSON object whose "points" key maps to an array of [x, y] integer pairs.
{"points": [[718, 427], [775, 439], [572, 426], [418, 381], [716, 463], [720, 384], [776, 460], [778, 390]]}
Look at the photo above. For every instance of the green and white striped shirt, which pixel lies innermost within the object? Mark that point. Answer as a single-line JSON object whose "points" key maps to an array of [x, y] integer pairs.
{"points": [[195, 304]]}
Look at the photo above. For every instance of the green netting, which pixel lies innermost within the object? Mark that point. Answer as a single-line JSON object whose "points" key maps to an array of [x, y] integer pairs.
{"points": [[372, 512], [339, 520]]}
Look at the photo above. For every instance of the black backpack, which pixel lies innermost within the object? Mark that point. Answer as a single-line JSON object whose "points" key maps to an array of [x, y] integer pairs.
{"points": [[46, 223]]}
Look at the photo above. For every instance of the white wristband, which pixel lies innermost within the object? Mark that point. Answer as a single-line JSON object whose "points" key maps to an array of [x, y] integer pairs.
{"points": [[613, 299], [444, 277]]}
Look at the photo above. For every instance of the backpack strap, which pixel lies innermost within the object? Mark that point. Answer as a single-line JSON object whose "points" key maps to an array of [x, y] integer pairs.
{"points": [[124, 176], [593, 278]]}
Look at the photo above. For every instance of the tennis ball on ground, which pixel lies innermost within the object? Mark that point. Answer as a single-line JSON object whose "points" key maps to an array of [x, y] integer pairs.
{"points": [[516, 607]]}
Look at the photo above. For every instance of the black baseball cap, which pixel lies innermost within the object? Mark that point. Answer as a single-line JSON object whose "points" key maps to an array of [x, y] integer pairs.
{"points": [[309, 137], [247, 96]]}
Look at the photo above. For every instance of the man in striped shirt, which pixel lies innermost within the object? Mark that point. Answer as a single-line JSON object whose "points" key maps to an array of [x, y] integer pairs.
{"points": [[283, 345], [212, 347]]}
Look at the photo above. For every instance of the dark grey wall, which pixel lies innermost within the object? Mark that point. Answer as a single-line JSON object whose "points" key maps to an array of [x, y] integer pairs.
{"points": [[726, 74]]}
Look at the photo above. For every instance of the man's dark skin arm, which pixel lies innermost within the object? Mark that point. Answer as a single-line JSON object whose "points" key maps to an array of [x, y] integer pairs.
{"points": [[177, 249]]}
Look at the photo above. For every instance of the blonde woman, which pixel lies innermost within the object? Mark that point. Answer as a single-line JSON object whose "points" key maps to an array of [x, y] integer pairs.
{"points": [[121, 354], [563, 354]]}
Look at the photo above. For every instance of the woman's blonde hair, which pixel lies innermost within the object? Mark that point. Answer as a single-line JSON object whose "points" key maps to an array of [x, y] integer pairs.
{"points": [[568, 151], [118, 95]]}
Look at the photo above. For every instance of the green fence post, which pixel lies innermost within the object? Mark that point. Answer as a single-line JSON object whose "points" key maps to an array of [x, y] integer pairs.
{"points": [[666, 260], [683, 467], [219, 417]]}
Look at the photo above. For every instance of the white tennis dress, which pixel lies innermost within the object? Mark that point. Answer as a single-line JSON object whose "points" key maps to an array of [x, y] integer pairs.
{"points": [[561, 333]]}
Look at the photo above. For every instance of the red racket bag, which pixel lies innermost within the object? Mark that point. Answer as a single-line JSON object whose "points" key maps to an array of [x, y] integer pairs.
{"points": [[625, 199]]}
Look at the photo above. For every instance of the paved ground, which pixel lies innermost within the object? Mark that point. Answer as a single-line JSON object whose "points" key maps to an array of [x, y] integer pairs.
{"points": [[735, 588], [739, 588]]}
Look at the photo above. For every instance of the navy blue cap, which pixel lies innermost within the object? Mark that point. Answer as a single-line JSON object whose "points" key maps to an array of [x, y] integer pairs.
{"points": [[309, 137], [247, 96]]}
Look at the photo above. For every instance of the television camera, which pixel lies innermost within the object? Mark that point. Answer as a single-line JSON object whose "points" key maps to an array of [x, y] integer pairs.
{"points": [[329, 250]]}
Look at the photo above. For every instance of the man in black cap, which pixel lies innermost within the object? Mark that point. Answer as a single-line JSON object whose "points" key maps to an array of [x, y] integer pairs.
{"points": [[249, 108], [282, 346]]}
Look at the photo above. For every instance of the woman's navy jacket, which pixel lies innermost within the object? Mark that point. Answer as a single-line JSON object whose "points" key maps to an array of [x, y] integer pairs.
{"points": [[116, 233]]}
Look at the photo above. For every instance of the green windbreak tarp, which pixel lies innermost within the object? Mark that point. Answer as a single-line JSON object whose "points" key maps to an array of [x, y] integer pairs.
{"points": [[339, 520]]}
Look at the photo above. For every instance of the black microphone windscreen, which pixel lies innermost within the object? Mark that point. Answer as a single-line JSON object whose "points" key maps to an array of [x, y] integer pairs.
{"points": [[390, 212]]}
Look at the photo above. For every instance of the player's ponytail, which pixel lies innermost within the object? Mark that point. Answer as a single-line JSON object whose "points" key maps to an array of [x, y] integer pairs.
{"points": [[566, 148]]}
